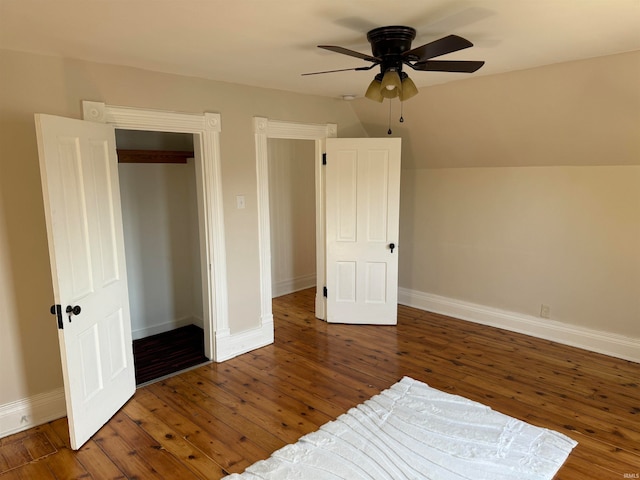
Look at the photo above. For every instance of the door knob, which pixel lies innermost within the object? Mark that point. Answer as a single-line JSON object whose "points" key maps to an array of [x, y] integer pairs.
{"points": [[392, 246], [73, 311]]}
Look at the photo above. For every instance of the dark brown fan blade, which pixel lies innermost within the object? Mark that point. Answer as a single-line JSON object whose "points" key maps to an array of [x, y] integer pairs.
{"points": [[351, 53], [340, 70], [462, 66], [448, 44]]}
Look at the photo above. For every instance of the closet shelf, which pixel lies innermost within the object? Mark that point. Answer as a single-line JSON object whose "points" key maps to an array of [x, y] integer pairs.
{"points": [[153, 156]]}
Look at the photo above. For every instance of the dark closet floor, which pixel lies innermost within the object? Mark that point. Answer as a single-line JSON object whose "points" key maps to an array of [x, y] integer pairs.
{"points": [[168, 352]]}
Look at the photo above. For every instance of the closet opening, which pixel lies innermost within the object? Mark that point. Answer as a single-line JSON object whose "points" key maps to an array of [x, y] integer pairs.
{"points": [[160, 218]]}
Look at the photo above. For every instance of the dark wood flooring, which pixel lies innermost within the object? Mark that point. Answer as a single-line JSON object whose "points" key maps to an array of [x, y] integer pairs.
{"points": [[221, 418], [165, 353]]}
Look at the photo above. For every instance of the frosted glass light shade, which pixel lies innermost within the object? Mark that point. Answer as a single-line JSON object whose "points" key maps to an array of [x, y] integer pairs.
{"points": [[391, 81], [408, 89], [373, 92]]}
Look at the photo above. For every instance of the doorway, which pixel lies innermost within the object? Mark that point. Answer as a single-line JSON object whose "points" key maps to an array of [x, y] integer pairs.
{"points": [[160, 221], [205, 128], [292, 207], [265, 129]]}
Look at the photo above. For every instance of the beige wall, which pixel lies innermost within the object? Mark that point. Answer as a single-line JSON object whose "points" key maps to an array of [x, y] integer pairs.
{"points": [[524, 188], [292, 214], [514, 238], [161, 240], [31, 83]]}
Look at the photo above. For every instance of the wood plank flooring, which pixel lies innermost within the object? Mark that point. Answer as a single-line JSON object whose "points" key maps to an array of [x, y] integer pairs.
{"points": [[168, 352], [221, 418]]}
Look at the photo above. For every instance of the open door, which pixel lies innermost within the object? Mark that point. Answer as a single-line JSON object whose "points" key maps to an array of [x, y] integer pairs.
{"points": [[78, 166], [362, 213]]}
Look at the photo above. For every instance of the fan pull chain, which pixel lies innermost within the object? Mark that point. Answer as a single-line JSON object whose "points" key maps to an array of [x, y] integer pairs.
{"points": [[389, 131], [401, 117]]}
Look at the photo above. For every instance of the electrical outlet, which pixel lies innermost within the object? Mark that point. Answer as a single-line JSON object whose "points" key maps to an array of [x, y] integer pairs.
{"points": [[545, 311]]}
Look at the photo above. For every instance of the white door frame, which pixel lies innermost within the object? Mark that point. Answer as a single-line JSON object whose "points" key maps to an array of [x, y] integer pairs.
{"points": [[206, 141], [264, 129]]}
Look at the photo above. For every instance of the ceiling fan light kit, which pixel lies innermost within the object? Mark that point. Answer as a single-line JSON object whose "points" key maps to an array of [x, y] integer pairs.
{"points": [[391, 49]]}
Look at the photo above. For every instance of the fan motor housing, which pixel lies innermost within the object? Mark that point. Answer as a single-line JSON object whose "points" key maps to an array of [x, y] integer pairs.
{"points": [[390, 41]]}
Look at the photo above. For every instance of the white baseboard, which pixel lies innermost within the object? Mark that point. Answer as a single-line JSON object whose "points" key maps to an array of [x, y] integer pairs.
{"points": [[284, 287], [32, 411], [164, 327], [627, 348], [229, 346]]}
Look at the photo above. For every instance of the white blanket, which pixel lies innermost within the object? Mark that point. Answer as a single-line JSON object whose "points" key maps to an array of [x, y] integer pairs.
{"points": [[413, 431]]}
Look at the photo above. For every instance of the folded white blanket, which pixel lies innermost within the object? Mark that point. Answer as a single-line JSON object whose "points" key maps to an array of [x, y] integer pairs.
{"points": [[413, 431]]}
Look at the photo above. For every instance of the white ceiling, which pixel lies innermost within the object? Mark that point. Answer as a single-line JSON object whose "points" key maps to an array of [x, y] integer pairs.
{"points": [[271, 42]]}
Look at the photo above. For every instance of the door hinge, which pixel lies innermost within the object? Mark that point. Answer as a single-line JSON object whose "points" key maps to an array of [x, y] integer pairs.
{"points": [[324, 291], [324, 158], [57, 311]]}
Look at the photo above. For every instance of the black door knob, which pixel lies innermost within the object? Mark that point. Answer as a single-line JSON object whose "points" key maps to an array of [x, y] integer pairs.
{"points": [[392, 246], [73, 310]]}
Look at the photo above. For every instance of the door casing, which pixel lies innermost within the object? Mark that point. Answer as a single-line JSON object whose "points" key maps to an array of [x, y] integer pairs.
{"points": [[265, 128], [206, 129]]}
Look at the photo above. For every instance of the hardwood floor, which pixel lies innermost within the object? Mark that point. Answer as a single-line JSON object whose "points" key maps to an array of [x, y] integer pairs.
{"points": [[169, 352], [221, 418]]}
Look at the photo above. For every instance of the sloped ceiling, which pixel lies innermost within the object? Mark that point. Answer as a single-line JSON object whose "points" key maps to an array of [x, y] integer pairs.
{"points": [[579, 113], [270, 43]]}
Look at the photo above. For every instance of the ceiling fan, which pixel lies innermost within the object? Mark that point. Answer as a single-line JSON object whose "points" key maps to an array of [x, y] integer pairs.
{"points": [[391, 49]]}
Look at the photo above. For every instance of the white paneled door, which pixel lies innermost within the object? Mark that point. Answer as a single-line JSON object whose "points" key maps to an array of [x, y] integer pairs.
{"points": [[78, 166], [362, 212]]}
